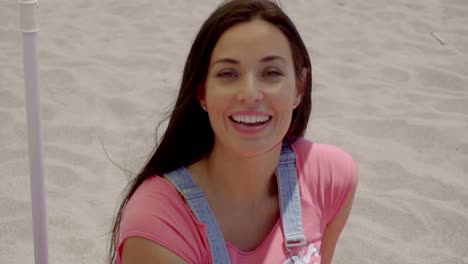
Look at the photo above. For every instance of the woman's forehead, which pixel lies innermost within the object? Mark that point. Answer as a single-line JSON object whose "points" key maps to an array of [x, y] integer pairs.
{"points": [[253, 40]]}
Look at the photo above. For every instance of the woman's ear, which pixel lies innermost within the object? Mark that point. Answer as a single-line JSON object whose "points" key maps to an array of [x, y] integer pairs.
{"points": [[297, 100], [203, 105], [201, 98], [300, 86], [301, 80]]}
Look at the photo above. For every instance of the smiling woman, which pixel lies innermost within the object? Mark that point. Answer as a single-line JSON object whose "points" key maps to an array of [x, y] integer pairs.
{"points": [[232, 180], [249, 93]]}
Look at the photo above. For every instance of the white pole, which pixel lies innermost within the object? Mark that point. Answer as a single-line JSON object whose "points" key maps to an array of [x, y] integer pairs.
{"points": [[29, 26]]}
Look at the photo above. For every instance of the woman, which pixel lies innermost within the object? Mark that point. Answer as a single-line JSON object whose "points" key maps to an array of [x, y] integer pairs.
{"points": [[232, 180]]}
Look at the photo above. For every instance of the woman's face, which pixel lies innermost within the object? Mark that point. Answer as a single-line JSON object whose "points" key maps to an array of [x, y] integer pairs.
{"points": [[251, 88]]}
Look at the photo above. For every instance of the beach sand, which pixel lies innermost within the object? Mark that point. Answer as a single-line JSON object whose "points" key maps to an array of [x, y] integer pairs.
{"points": [[390, 87]]}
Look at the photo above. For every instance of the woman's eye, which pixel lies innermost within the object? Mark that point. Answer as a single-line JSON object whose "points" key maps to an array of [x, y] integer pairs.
{"points": [[227, 75], [273, 73]]}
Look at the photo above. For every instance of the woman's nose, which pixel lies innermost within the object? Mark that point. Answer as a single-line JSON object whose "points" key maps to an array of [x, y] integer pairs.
{"points": [[249, 90]]}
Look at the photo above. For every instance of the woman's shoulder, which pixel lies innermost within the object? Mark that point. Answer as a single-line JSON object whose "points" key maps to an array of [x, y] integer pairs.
{"points": [[154, 201], [310, 151], [157, 212], [323, 165], [154, 195], [326, 173]]}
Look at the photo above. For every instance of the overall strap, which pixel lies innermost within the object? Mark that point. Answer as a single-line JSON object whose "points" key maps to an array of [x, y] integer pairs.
{"points": [[289, 196], [195, 199]]}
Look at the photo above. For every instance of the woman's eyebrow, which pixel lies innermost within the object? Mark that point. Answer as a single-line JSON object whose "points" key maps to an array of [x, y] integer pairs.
{"points": [[226, 60], [264, 59], [272, 58]]}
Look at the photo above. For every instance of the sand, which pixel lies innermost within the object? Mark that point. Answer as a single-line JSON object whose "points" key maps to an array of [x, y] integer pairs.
{"points": [[390, 87]]}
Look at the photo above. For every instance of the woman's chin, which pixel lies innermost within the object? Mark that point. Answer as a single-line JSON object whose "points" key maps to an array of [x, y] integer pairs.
{"points": [[255, 149]]}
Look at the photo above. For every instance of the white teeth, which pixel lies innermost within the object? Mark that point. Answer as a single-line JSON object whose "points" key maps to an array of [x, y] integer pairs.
{"points": [[250, 119], [244, 119]]}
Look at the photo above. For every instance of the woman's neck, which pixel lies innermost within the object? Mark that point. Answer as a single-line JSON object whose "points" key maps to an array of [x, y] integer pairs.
{"points": [[237, 181]]}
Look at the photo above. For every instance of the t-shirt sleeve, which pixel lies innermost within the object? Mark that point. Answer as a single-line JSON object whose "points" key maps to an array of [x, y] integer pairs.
{"points": [[328, 174], [341, 180], [156, 212]]}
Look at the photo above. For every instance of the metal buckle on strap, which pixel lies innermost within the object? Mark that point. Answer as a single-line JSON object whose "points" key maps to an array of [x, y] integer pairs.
{"points": [[295, 243], [287, 154], [192, 192]]}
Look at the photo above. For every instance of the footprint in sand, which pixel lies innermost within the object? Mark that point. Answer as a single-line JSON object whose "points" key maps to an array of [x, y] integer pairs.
{"points": [[10, 100], [393, 74], [443, 81], [459, 106]]}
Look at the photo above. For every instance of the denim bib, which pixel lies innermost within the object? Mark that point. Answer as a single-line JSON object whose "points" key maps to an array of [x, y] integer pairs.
{"points": [[289, 204]]}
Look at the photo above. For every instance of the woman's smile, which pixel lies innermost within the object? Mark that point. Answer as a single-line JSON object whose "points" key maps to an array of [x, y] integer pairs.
{"points": [[249, 122]]}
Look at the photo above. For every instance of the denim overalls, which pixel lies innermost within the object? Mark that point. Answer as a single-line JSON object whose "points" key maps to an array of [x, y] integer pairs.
{"points": [[289, 198]]}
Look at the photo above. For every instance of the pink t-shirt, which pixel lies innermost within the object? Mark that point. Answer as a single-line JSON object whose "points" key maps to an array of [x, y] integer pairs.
{"points": [[157, 212]]}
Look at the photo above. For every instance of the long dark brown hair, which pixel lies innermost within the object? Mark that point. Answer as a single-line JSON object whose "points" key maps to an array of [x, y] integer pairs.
{"points": [[189, 136]]}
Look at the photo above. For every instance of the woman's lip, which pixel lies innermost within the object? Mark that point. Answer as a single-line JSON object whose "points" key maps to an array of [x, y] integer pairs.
{"points": [[261, 113], [249, 130]]}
